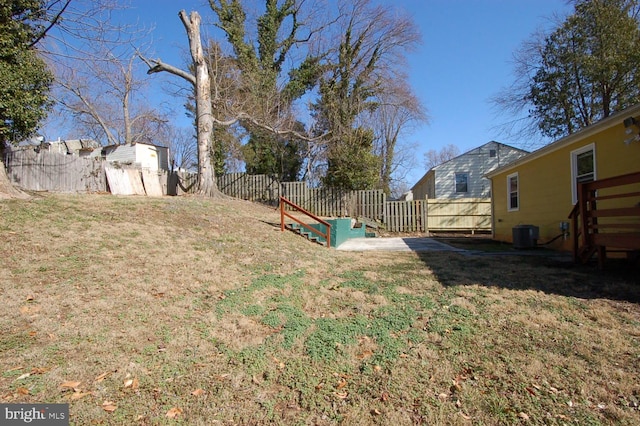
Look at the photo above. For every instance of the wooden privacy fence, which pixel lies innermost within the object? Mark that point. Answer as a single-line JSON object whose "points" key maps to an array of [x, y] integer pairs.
{"points": [[406, 216], [327, 202], [55, 172], [430, 215], [462, 214], [51, 171]]}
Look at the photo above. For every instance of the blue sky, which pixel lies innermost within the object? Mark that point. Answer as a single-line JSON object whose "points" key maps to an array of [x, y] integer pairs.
{"points": [[464, 60]]}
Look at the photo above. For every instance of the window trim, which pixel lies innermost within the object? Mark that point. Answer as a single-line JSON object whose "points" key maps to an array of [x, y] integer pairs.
{"points": [[509, 177], [574, 168], [455, 182]]}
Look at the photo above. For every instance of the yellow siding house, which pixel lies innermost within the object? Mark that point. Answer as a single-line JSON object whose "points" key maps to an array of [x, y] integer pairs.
{"points": [[540, 189]]}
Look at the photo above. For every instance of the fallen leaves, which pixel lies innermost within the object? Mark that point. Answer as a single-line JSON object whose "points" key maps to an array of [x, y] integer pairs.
{"points": [[22, 391], [174, 412], [101, 377], [198, 392], [70, 384], [131, 383], [109, 406]]}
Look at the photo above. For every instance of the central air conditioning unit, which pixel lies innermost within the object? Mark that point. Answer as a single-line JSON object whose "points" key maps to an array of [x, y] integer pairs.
{"points": [[525, 236]]}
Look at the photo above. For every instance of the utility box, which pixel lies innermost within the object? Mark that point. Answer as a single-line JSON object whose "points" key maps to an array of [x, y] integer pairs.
{"points": [[525, 236]]}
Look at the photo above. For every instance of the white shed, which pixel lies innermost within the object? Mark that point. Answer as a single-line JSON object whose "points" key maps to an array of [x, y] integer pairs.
{"points": [[148, 156]]}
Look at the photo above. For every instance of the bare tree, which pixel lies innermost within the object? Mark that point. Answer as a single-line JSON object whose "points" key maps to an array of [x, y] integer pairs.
{"points": [[183, 147], [367, 48], [104, 95], [398, 111], [434, 158]]}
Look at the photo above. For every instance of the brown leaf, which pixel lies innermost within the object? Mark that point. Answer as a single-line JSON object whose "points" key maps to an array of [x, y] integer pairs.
{"points": [[376, 412], [174, 412], [23, 391], [364, 355], [102, 377], [443, 397], [23, 376], [384, 397], [70, 384], [39, 370], [342, 383], [464, 416], [109, 406], [30, 298], [523, 416], [198, 392], [341, 395], [132, 383], [531, 391], [33, 333], [79, 395]]}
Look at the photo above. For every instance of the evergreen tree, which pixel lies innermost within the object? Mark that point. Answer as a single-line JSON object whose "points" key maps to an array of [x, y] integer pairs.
{"points": [[277, 156], [24, 77]]}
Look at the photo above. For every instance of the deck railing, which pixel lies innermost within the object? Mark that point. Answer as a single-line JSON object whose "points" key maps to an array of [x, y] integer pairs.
{"points": [[601, 218]]}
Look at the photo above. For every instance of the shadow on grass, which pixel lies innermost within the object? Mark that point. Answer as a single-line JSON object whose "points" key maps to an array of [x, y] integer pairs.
{"points": [[619, 280]]}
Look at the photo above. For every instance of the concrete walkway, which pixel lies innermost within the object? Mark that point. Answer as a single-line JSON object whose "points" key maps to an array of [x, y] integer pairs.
{"points": [[396, 244], [429, 244]]}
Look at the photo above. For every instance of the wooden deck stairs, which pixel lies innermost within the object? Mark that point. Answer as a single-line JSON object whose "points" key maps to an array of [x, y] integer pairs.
{"points": [[606, 218]]}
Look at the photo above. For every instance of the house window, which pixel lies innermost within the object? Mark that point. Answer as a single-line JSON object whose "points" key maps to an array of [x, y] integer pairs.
{"points": [[462, 182], [583, 168], [492, 153], [513, 192]]}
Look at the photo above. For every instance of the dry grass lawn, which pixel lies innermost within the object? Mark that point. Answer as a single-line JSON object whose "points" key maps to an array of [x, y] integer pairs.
{"points": [[193, 311]]}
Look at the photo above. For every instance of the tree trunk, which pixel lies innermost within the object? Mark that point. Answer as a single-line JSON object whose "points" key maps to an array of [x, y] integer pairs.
{"points": [[204, 116]]}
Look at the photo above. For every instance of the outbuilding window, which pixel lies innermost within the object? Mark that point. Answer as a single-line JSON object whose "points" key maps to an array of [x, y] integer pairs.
{"points": [[462, 182]]}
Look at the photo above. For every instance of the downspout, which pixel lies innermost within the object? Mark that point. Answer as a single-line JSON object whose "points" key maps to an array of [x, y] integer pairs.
{"points": [[493, 213]]}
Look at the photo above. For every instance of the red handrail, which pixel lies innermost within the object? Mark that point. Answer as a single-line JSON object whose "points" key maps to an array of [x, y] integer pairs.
{"points": [[283, 213]]}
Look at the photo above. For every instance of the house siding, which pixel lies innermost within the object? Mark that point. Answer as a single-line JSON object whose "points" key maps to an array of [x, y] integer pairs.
{"points": [[440, 182], [546, 184]]}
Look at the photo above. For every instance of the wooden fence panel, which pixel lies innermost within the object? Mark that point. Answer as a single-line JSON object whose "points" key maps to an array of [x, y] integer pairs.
{"points": [[463, 214], [405, 216], [296, 192], [51, 171], [261, 188], [370, 204], [178, 183]]}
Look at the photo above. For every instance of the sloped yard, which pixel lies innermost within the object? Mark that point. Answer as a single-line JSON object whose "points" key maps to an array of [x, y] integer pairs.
{"points": [[185, 310]]}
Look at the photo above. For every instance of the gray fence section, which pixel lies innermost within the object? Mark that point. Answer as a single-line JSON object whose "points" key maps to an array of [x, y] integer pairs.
{"points": [[50, 171]]}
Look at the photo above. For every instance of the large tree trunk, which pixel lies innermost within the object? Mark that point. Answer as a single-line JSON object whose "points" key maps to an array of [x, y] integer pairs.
{"points": [[204, 116]]}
